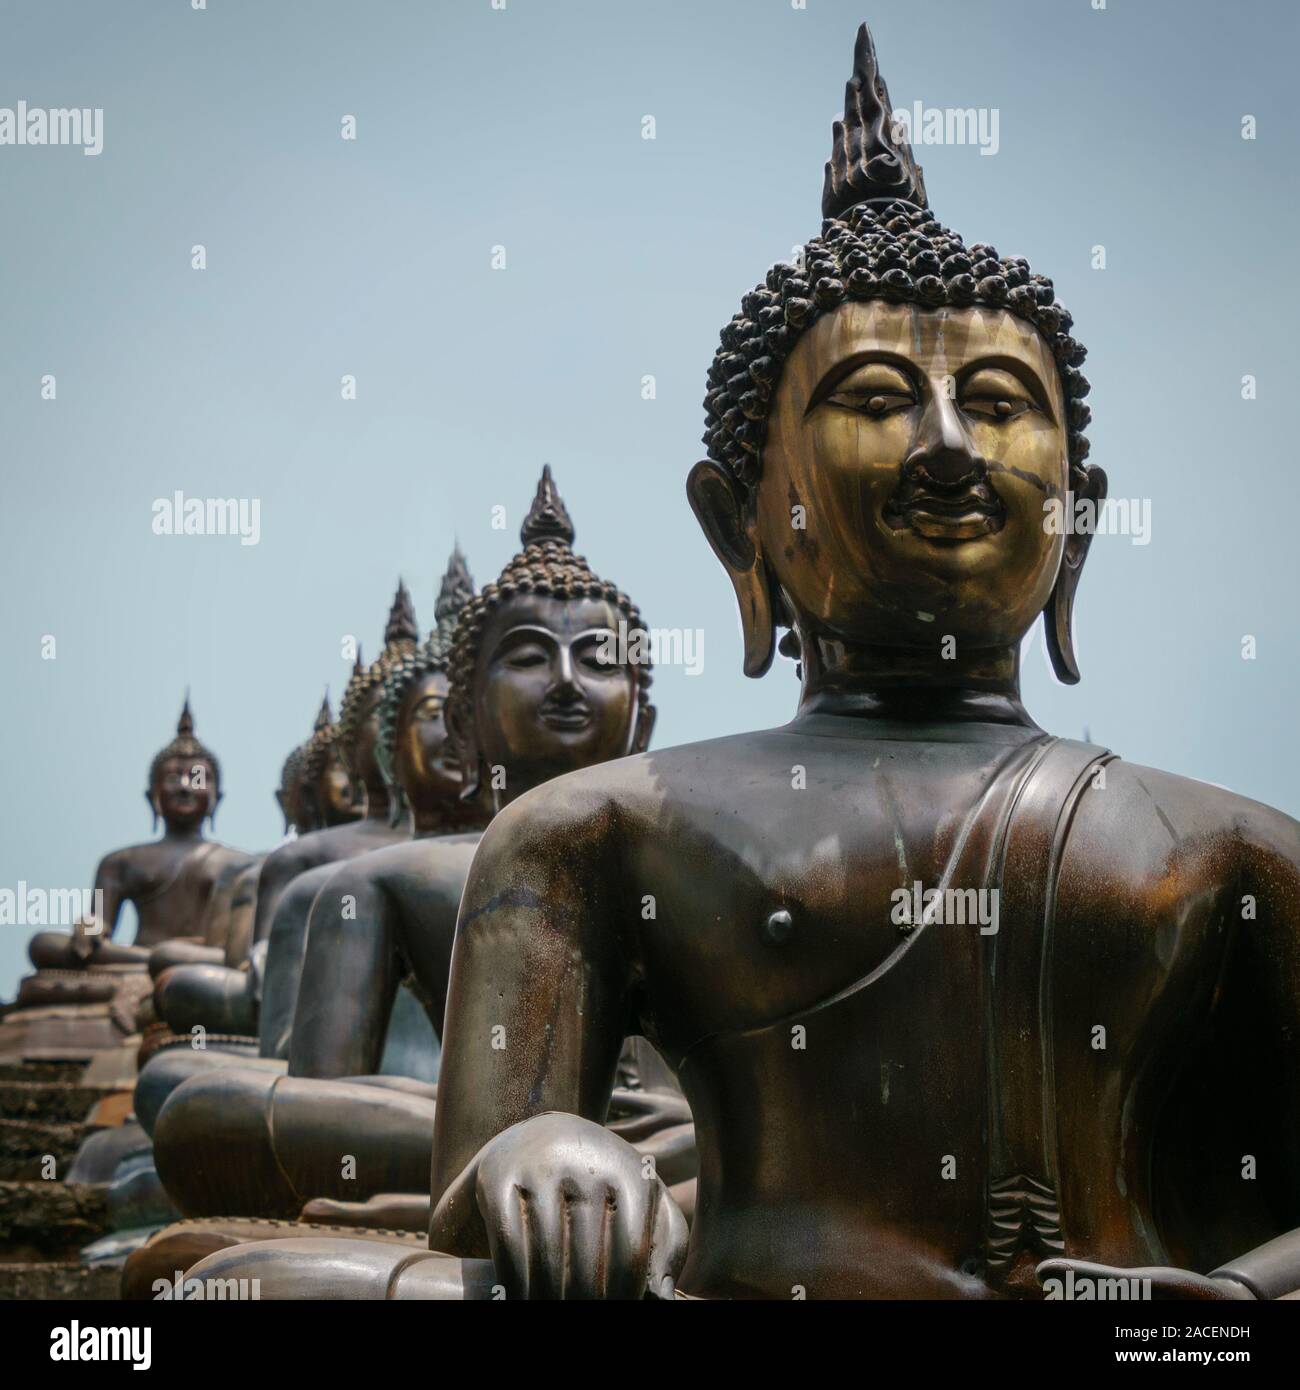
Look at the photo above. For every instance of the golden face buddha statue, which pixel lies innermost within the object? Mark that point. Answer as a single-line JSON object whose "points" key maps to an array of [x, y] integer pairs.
{"points": [[885, 422], [533, 693]]}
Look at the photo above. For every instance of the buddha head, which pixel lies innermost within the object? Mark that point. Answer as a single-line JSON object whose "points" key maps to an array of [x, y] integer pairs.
{"points": [[184, 781], [542, 678], [888, 422], [414, 748], [358, 728], [332, 795], [291, 795]]}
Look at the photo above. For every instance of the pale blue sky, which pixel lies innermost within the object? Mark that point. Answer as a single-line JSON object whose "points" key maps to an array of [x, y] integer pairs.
{"points": [[522, 128]]}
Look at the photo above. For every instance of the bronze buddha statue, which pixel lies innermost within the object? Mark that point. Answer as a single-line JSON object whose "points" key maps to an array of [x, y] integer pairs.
{"points": [[528, 698], [886, 1105], [225, 934], [183, 792]]}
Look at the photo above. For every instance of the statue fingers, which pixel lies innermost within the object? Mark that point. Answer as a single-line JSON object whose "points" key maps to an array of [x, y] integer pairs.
{"points": [[630, 1202], [668, 1240], [502, 1206], [546, 1238], [591, 1271]]}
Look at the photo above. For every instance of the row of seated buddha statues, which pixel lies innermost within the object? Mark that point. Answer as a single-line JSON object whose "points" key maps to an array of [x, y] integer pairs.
{"points": [[884, 1104], [509, 690], [349, 801], [206, 1001]]}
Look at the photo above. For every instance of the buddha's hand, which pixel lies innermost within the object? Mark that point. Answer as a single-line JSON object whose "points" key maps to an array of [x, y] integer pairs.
{"points": [[84, 941], [573, 1211], [635, 1115], [1166, 1282]]}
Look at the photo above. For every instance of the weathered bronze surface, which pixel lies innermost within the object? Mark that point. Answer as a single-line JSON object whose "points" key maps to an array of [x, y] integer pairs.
{"points": [[888, 1103]]}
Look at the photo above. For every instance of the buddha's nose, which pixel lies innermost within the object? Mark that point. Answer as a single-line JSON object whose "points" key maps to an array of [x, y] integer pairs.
{"points": [[944, 452], [563, 684]]}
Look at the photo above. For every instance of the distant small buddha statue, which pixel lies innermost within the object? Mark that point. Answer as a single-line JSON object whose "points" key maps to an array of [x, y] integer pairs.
{"points": [[168, 881], [228, 916], [889, 1102], [530, 696]]}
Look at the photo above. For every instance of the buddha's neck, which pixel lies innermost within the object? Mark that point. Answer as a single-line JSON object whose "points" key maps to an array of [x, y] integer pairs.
{"points": [[901, 683], [183, 832], [378, 803], [445, 820]]}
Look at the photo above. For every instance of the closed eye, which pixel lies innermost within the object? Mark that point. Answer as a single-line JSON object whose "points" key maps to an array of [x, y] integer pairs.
{"points": [[876, 404], [996, 395], [523, 658], [874, 389]]}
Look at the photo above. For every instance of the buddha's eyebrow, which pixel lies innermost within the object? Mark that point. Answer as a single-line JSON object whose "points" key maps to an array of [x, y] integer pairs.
{"points": [[1021, 370], [850, 364], [542, 634]]}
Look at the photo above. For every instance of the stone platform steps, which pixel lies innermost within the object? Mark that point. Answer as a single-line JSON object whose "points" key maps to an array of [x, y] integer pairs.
{"points": [[51, 1218], [45, 1109], [49, 1072], [26, 1144], [61, 1280], [49, 1102]]}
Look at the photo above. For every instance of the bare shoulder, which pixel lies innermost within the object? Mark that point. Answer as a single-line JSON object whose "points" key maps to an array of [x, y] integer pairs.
{"points": [[1190, 814], [221, 858], [429, 863], [303, 887], [287, 858], [591, 804]]}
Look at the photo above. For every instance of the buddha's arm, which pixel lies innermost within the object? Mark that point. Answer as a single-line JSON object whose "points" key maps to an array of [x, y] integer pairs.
{"points": [[537, 1012], [110, 893], [279, 869], [350, 974], [1268, 939], [1265, 846]]}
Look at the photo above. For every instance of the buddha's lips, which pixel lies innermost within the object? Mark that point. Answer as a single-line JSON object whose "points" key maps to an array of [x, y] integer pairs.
{"points": [[963, 515], [567, 717]]}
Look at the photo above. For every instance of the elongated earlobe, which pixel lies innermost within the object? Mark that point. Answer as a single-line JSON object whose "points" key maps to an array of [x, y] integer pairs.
{"points": [[153, 807], [719, 508], [1058, 616], [645, 726], [461, 734]]}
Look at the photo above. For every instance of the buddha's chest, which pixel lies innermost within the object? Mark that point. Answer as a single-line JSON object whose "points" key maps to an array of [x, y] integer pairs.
{"points": [[780, 893], [899, 889]]}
